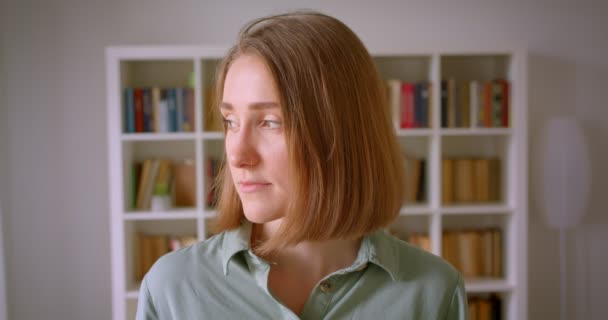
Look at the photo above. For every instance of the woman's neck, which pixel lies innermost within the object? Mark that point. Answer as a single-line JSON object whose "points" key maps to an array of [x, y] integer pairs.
{"points": [[316, 259]]}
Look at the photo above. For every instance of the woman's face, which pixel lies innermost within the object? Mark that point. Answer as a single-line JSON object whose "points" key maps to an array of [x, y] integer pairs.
{"points": [[255, 139]]}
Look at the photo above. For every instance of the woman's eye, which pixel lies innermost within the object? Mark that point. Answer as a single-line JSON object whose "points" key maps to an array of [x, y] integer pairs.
{"points": [[229, 123], [271, 124]]}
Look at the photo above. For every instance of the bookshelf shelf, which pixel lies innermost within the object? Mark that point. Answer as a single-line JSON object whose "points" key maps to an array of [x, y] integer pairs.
{"points": [[213, 135], [209, 214], [414, 132], [157, 136], [476, 132], [476, 209], [433, 137], [169, 215], [415, 210], [487, 285]]}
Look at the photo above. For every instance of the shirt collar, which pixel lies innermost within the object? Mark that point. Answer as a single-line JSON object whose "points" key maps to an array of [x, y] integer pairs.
{"points": [[375, 248], [235, 241], [383, 252]]}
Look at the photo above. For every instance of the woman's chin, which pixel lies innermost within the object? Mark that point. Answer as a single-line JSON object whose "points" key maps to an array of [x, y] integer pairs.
{"points": [[260, 217]]}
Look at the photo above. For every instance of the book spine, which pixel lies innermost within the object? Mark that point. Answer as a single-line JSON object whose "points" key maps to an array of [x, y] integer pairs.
{"points": [[474, 99], [172, 110], [179, 107], [444, 104], [147, 101], [505, 103], [156, 109], [139, 110], [129, 117], [394, 96], [497, 99], [417, 120]]}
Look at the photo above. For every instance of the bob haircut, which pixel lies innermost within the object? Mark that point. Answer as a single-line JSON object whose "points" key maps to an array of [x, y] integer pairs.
{"points": [[344, 159]]}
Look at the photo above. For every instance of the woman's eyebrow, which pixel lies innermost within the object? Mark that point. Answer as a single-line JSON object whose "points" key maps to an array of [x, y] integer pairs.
{"points": [[253, 106]]}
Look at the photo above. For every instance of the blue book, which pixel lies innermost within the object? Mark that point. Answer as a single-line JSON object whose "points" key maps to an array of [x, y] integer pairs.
{"points": [[424, 99], [172, 110], [179, 106], [129, 108], [186, 102], [147, 97], [417, 105]]}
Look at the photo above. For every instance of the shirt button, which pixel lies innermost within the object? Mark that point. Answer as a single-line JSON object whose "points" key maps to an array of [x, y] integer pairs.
{"points": [[325, 286]]}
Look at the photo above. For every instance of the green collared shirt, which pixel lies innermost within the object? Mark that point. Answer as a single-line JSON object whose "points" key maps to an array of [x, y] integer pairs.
{"points": [[221, 278]]}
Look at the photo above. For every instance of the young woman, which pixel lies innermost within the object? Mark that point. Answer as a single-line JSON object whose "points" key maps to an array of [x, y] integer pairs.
{"points": [[312, 175]]}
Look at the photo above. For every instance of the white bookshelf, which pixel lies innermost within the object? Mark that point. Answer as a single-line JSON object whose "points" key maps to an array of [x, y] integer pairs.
{"points": [[171, 66]]}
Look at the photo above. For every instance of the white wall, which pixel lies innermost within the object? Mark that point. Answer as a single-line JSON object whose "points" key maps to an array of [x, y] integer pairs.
{"points": [[57, 225], [3, 176]]}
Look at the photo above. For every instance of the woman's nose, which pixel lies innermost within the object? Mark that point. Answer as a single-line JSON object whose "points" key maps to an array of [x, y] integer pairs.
{"points": [[242, 149]]}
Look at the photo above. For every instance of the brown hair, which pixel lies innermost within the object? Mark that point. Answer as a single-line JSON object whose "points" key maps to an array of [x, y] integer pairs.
{"points": [[345, 162]]}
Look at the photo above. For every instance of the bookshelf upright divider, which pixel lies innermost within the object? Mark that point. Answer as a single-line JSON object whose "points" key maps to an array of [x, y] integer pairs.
{"points": [[466, 167], [200, 152]]}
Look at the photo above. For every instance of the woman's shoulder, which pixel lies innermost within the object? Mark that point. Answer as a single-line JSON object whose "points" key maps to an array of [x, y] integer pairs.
{"points": [[200, 259], [411, 263]]}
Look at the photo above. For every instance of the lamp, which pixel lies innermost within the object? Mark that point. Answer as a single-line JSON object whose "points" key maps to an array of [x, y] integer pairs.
{"points": [[564, 182]]}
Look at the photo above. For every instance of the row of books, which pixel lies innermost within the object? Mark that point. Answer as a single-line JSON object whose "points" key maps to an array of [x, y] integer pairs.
{"points": [[410, 103], [163, 177], [485, 308], [212, 167], [415, 170], [148, 248], [158, 110], [475, 253], [482, 104], [466, 180]]}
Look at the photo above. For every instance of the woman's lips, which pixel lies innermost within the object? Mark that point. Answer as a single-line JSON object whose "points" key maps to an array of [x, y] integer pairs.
{"points": [[251, 186]]}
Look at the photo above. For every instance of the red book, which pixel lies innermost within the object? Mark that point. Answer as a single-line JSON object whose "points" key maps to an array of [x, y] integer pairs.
{"points": [[505, 102], [139, 109], [407, 105]]}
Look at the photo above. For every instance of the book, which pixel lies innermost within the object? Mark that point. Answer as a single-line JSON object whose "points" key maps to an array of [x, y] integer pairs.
{"points": [[138, 103], [394, 99], [184, 184], [156, 117], [495, 182], [463, 177], [451, 103], [189, 111], [163, 178], [474, 103], [129, 113], [407, 105], [481, 176], [469, 253], [180, 108], [163, 112], [444, 103], [171, 110], [447, 181], [465, 105], [147, 107]]}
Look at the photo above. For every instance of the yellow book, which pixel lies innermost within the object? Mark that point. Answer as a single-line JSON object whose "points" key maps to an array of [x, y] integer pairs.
{"points": [[481, 174], [496, 253], [447, 181], [184, 184], [463, 174], [161, 185]]}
